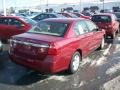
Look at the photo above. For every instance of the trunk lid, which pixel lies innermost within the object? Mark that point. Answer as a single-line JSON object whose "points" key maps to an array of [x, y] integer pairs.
{"points": [[32, 46]]}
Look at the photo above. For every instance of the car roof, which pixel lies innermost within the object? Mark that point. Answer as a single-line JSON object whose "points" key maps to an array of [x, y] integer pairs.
{"points": [[65, 20], [16, 17], [107, 14]]}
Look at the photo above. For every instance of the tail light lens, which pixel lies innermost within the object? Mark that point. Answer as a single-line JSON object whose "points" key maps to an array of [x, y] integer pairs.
{"points": [[52, 50]]}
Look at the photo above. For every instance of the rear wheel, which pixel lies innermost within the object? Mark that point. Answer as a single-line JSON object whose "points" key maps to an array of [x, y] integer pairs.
{"points": [[75, 62], [1, 46], [113, 35], [102, 44]]}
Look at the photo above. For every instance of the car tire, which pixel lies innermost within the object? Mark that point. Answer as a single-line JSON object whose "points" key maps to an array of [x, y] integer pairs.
{"points": [[1, 46], [75, 63], [102, 45], [113, 35]]}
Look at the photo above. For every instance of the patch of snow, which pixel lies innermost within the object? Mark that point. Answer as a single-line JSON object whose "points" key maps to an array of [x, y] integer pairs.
{"points": [[58, 78], [107, 50], [82, 83], [98, 62], [113, 69], [85, 61], [113, 84]]}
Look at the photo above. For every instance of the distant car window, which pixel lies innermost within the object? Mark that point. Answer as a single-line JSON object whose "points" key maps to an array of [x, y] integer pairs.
{"points": [[101, 18], [50, 28], [117, 15], [80, 28], [4, 21], [52, 16], [14, 22], [41, 16], [29, 21], [91, 26]]}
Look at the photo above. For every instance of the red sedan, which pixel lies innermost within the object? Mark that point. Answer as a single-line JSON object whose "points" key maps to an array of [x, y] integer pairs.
{"points": [[55, 45], [108, 22], [12, 25]]}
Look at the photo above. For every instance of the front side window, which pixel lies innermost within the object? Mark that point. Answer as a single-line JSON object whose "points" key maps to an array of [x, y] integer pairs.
{"points": [[50, 28], [14, 22]]}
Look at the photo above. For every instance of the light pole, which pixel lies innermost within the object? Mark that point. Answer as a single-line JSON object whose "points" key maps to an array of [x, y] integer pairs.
{"points": [[80, 6], [4, 7], [103, 5]]}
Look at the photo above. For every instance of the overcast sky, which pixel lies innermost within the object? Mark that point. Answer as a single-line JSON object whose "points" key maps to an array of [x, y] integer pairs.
{"points": [[18, 3]]}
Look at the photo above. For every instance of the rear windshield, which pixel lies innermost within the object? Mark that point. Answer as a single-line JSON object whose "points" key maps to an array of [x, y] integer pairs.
{"points": [[49, 28], [101, 18]]}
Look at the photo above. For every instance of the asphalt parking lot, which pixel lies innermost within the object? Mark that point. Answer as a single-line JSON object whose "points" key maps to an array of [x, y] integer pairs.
{"points": [[99, 71]]}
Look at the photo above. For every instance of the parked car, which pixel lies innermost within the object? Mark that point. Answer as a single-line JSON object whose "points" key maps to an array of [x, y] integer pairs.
{"points": [[55, 45], [82, 16], [12, 25], [68, 15], [47, 15], [108, 22]]}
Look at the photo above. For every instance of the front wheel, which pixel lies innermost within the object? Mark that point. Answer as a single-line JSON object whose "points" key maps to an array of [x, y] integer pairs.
{"points": [[75, 62]]}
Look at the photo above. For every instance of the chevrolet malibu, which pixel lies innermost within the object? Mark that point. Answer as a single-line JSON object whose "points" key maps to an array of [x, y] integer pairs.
{"points": [[108, 22], [55, 45]]}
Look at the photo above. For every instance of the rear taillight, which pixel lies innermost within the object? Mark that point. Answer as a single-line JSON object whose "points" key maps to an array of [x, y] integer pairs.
{"points": [[52, 50]]}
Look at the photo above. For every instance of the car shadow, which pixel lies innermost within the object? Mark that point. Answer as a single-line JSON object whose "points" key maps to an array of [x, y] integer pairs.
{"points": [[13, 74]]}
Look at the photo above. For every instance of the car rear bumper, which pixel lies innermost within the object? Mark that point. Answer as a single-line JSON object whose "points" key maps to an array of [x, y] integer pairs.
{"points": [[45, 66]]}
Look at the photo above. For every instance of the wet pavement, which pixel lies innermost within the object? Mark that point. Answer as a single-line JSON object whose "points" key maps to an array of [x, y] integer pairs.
{"points": [[98, 71]]}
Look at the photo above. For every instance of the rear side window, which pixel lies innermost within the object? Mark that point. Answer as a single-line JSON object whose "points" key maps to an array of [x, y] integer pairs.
{"points": [[4, 21], [14, 22], [80, 28], [101, 18], [91, 26]]}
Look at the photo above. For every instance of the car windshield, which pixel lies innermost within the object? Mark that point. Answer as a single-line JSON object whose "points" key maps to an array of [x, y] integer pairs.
{"points": [[29, 21], [117, 15], [49, 28], [101, 18]]}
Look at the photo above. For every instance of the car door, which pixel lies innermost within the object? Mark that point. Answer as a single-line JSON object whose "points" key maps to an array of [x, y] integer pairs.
{"points": [[3, 27], [15, 27], [83, 36], [97, 34]]}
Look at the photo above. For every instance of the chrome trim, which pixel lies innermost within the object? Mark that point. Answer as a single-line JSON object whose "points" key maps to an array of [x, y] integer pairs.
{"points": [[30, 44]]}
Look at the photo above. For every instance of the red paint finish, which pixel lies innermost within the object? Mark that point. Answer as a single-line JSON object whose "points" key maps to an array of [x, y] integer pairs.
{"points": [[57, 56], [110, 27], [7, 30]]}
